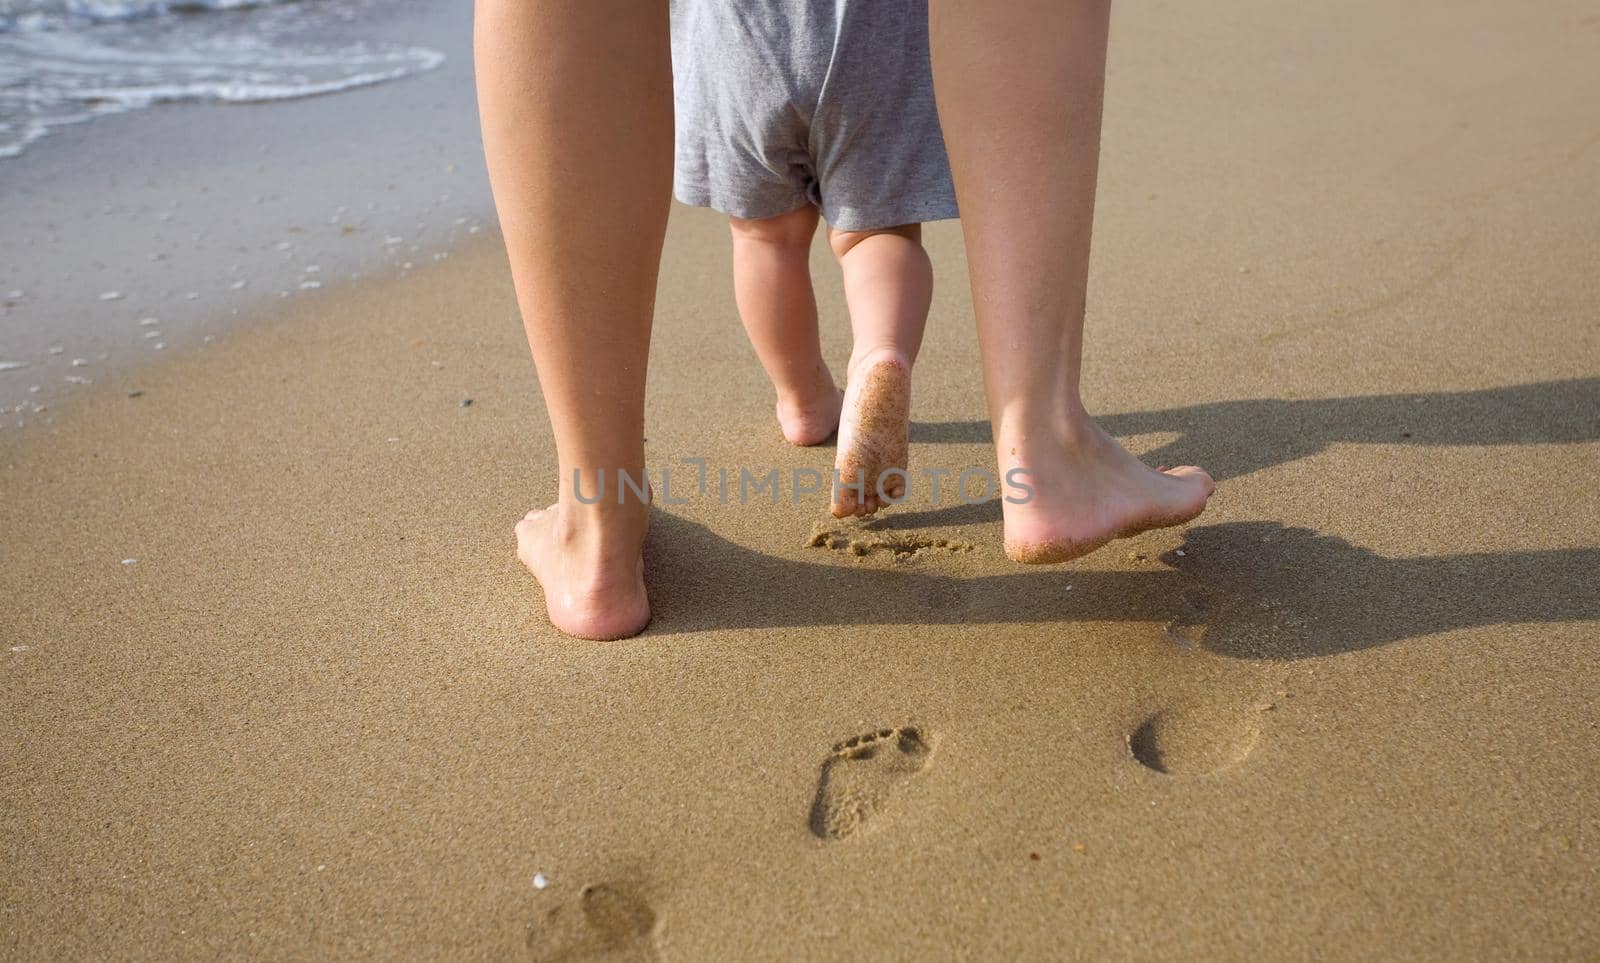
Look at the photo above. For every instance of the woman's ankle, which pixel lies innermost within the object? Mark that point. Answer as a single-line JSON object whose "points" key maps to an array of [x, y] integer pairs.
{"points": [[1023, 428], [602, 500]]}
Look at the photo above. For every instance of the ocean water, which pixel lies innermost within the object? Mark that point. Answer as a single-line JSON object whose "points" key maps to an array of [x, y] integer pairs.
{"points": [[68, 61]]}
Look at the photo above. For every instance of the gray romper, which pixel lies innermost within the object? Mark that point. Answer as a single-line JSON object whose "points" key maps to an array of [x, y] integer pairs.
{"points": [[781, 103]]}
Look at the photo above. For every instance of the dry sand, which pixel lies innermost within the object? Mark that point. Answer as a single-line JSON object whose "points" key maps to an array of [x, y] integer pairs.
{"points": [[1345, 258]]}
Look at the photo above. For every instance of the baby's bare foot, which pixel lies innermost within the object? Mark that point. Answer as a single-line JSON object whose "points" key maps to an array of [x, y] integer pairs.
{"points": [[590, 563], [873, 433], [810, 421], [1089, 491]]}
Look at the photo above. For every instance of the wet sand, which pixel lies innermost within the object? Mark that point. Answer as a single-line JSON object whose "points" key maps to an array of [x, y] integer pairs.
{"points": [[197, 216], [276, 685]]}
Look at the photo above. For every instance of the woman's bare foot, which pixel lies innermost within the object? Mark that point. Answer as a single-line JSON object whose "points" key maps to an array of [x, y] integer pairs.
{"points": [[811, 420], [1087, 491], [589, 559], [873, 432]]}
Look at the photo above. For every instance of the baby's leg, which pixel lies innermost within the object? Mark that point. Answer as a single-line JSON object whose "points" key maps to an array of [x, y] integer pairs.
{"points": [[888, 283], [772, 285]]}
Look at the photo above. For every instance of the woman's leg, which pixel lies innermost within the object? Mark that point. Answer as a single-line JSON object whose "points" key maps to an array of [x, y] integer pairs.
{"points": [[576, 104], [772, 285], [1019, 86], [888, 284]]}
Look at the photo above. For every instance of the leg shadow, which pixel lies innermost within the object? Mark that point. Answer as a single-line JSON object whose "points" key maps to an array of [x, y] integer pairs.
{"points": [[1234, 438], [1269, 592]]}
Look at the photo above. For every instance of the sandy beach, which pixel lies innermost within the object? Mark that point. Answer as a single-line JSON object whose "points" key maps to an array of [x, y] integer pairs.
{"points": [[276, 686]]}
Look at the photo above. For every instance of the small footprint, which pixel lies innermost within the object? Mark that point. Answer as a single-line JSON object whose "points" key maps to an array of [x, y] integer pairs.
{"points": [[607, 921], [1232, 625], [859, 776], [861, 542], [1197, 739], [1189, 629]]}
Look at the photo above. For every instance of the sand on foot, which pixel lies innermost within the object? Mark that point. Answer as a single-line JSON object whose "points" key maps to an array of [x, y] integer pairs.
{"points": [[873, 433]]}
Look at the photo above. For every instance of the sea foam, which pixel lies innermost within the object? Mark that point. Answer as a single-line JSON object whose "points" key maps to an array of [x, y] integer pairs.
{"points": [[67, 61]]}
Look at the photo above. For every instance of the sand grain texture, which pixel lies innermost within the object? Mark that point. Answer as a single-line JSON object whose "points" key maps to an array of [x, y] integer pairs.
{"points": [[1344, 259]]}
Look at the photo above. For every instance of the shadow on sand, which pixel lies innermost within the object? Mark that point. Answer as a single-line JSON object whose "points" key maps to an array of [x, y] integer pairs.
{"points": [[1256, 590], [1233, 438]]}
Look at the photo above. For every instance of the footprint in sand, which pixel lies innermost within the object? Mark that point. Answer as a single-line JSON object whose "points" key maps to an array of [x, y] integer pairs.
{"points": [[901, 546], [860, 775], [1197, 739], [1223, 623], [1193, 624], [607, 921]]}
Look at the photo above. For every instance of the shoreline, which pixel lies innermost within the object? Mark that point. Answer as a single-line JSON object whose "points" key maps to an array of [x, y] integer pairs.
{"points": [[165, 225]]}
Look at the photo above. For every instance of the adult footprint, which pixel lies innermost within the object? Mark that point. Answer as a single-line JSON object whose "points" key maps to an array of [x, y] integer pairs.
{"points": [[859, 776], [608, 921], [1196, 739]]}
